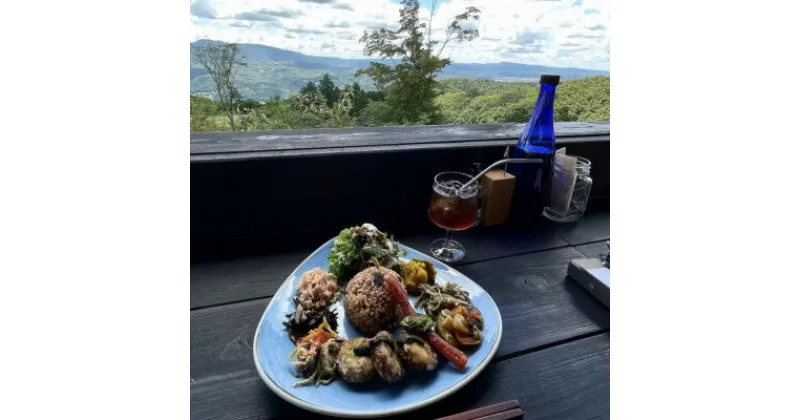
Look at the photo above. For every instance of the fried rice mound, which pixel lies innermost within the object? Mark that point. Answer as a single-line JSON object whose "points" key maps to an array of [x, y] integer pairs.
{"points": [[368, 305]]}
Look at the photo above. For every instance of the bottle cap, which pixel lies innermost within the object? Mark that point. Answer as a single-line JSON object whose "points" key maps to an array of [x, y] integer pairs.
{"points": [[550, 79]]}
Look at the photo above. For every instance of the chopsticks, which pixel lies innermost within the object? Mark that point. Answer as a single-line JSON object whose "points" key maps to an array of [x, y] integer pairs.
{"points": [[500, 411]]}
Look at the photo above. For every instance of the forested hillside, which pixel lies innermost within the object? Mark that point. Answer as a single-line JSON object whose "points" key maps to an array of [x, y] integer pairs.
{"points": [[273, 71], [470, 101], [462, 101]]}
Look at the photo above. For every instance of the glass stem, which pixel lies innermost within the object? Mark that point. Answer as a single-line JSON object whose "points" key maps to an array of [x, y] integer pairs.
{"points": [[447, 235]]}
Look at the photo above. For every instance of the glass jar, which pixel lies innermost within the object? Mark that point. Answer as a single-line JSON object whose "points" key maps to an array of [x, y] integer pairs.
{"points": [[571, 185]]}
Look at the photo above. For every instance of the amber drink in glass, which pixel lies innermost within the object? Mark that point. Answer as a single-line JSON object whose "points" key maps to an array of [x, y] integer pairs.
{"points": [[452, 209]]}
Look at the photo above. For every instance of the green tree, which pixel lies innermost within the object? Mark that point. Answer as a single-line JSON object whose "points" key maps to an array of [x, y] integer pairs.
{"points": [[341, 113], [247, 105], [359, 98], [309, 88], [410, 84], [338, 115], [328, 89], [222, 61], [311, 102], [201, 110], [376, 113], [278, 115], [375, 95]]}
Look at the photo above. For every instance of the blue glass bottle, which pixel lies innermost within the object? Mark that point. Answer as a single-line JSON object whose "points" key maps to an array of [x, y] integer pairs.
{"points": [[538, 140]]}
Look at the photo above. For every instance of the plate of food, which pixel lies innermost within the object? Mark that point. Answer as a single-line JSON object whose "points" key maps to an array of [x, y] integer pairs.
{"points": [[366, 327]]}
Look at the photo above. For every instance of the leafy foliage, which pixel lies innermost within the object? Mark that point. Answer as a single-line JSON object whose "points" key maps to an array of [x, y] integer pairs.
{"points": [[309, 88], [328, 90], [247, 105], [359, 99], [201, 111], [462, 101], [376, 113], [410, 85], [338, 114], [277, 115], [470, 101], [354, 247]]}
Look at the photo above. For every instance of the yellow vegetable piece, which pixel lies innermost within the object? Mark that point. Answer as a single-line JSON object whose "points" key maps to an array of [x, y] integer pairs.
{"points": [[417, 272]]}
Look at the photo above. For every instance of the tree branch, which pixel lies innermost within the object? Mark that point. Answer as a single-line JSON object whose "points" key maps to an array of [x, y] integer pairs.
{"points": [[449, 37], [430, 22]]}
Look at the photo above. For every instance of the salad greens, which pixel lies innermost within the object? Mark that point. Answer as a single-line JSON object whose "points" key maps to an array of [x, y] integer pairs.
{"points": [[354, 247]]}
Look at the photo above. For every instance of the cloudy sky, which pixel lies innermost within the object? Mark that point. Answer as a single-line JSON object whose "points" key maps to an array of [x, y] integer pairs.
{"points": [[568, 33]]}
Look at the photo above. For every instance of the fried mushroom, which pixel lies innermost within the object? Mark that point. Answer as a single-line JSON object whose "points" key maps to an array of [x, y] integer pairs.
{"points": [[384, 358], [353, 362], [416, 353]]}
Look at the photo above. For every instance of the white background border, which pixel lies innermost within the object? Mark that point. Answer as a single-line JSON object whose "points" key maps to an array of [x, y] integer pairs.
{"points": [[94, 223]]}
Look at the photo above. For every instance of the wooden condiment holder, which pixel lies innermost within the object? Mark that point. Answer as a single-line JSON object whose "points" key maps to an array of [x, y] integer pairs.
{"points": [[500, 196], [498, 189]]}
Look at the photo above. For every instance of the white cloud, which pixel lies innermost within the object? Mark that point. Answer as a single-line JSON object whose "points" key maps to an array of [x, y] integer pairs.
{"points": [[202, 8], [560, 33]]}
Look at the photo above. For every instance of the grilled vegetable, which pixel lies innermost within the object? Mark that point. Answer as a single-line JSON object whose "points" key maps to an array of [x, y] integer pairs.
{"points": [[461, 327], [452, 354], [435, 298], [415, 353], [416, 273], [417, 323]]}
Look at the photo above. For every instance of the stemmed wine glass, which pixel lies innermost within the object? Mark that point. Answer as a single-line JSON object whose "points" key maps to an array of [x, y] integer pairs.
{"points": [[452, 208]]}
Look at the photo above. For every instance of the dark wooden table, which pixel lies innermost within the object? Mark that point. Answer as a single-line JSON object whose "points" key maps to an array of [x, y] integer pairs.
{"points": [[553, 358]]}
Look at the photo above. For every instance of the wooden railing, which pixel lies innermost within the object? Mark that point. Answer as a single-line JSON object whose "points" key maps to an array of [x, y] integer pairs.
{"points": [[246, 145], [254, 190]]}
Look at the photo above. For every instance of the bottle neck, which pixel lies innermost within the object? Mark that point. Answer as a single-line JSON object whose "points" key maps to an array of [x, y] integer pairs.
{"points": [[539, 136], [547, 94], [543, 110]]}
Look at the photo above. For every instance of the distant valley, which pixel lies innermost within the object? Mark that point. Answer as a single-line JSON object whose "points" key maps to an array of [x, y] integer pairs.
{"points": [[273, 71]]}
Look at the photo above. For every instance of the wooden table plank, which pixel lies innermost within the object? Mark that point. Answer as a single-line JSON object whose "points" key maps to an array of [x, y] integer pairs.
{"points": [[222, 338], [241, 279], [539, 305], [496, 242], [593, 250], [594, 226], [252, 278], [568, 381]]}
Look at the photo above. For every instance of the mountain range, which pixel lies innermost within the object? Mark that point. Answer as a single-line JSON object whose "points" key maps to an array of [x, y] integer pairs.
{"points": [[273, 71]]}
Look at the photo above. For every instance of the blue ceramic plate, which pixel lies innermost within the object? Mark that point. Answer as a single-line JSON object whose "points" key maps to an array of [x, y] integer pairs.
{"points": [[376, 398]]}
